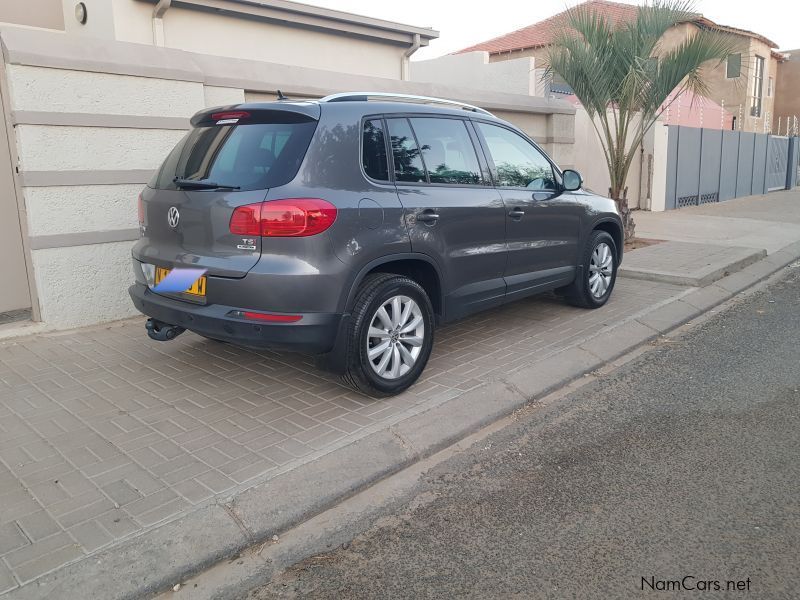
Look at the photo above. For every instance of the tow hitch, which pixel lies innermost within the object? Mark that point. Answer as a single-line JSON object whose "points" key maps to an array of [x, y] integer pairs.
{"points": [[162, 332]]}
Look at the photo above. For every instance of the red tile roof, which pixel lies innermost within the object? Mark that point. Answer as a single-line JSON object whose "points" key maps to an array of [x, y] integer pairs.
{"points": [[542, 33], [701, 20]]}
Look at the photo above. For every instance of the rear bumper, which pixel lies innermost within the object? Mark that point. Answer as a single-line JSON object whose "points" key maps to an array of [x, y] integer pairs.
{"points": [[314, 333]]}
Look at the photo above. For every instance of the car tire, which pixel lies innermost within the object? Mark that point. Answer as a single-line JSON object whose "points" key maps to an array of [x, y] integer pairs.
{"points": [[595, 281], [389, 336]]}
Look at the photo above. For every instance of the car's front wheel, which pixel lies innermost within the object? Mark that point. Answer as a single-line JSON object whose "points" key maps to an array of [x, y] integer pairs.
{"points": [[594, 284], [390, 335]]}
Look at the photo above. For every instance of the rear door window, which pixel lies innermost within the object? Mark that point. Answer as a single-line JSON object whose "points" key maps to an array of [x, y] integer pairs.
{"points": [[248, 156], [406, 154], [373, 151], [447, 150]]}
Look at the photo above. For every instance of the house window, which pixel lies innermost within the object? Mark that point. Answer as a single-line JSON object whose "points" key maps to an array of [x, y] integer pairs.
{"points": [[734, 68], [758, 87], [770, 87]]}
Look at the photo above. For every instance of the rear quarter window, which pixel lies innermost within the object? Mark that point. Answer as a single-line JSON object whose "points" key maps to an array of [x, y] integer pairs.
{"points": [[373, 151], [248, 156]]}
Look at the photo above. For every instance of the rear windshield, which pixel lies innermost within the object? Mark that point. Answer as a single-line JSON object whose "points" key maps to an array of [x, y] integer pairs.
{"points": [[250, 156]]}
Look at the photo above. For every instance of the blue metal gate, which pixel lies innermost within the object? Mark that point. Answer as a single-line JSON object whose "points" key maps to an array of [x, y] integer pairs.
{"points": [[777, 162], [711, 165]]}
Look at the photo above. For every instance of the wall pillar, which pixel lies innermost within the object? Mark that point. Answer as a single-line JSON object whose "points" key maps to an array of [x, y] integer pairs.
{"points": [[660, 154], [792, 163]]}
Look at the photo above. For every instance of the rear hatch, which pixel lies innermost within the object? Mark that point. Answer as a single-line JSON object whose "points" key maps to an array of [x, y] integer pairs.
{"points": [[230, 158]]}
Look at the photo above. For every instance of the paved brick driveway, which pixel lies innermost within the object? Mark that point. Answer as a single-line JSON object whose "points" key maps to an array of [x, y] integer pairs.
{"points": [[105, 433]]}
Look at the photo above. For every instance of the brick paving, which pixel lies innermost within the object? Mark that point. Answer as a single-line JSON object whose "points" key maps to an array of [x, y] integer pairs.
{"points": [[105, 433]]}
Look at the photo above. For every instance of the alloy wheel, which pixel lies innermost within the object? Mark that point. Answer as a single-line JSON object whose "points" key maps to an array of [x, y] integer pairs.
{"points": [[395, 337], [601, 268]]}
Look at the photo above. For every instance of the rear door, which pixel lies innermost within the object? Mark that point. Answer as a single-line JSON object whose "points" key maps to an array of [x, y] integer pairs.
{"points": [[542, 223], [453, 214], [188, 226]]}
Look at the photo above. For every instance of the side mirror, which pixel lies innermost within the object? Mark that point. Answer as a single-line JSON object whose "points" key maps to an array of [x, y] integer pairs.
{"points": [[572, 180]]}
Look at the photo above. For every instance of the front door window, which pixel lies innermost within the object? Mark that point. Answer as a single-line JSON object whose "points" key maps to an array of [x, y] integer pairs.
{"points": [[517, 162]]}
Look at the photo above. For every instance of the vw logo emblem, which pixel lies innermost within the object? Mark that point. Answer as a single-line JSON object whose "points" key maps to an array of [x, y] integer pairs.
{"points": [[173, 216]]}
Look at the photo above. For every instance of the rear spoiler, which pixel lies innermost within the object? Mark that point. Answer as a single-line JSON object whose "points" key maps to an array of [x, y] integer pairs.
{"points": [[258, 112]]}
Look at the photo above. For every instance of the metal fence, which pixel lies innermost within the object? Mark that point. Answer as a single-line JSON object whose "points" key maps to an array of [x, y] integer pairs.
{"points": [[712, 165]]}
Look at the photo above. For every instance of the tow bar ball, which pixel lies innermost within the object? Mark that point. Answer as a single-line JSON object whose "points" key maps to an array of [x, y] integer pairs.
{"points": [[162, 332]]}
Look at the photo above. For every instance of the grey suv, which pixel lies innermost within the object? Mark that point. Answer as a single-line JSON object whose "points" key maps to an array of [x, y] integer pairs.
{"points": [[351, 226]]}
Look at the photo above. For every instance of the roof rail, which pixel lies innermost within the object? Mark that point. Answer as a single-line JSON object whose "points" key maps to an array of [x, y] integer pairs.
{"points": [[363, 96]]}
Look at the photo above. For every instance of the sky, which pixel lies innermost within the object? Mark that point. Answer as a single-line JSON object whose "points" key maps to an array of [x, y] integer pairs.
{"points": [[461, 24]]}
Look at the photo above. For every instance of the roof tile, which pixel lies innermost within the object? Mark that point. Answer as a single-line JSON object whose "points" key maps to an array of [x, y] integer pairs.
{"points": [[542, 33]]}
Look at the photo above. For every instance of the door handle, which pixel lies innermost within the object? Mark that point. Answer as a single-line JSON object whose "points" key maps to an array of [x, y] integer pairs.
{"points": [[428, 216], [516, 213]]}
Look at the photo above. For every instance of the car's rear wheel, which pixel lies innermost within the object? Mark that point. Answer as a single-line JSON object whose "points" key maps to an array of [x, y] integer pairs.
{"points": [[390, 335], [594, 284]]}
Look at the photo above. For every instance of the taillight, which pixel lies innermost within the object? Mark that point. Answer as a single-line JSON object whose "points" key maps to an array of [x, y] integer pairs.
{"points": [[141, 210], [295, 217], [246, 220]]}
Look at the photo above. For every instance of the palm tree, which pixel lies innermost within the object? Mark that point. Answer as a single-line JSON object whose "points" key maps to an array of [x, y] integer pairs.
{"points": [[625, 79]]}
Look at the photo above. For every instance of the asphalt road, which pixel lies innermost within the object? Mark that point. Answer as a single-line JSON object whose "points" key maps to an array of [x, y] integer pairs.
{"points": [[683, 466]]}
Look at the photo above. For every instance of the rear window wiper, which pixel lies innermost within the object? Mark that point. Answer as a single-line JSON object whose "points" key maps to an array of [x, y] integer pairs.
{"points": [[200, 184]]}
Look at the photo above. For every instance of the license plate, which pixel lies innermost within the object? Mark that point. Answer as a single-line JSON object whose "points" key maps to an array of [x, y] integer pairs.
{"points": [[198, 287]]}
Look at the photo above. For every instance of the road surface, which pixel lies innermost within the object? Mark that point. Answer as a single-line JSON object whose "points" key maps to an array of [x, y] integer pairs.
{"points": [[679, 471]]}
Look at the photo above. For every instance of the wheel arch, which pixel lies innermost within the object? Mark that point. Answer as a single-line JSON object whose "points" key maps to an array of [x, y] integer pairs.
{"points": [[614, 229], [419, 267]]}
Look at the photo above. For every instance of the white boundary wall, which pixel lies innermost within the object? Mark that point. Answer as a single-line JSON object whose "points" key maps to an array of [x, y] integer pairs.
{"points": [[591, 163], [86, 283], [93, 119], [474, 70]]}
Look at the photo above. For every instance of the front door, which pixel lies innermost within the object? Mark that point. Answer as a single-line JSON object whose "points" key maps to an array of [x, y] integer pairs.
{"points": [[13, 274], [452, 212], [542, 223]]}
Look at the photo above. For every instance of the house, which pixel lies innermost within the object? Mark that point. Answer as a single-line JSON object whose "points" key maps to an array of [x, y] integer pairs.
{"points": [[95, 93], [744, 85], [787, 94], [285, 32]]}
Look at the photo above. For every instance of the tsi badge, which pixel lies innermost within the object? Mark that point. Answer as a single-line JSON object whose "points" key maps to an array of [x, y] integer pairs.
{"points": [[247, 244]]}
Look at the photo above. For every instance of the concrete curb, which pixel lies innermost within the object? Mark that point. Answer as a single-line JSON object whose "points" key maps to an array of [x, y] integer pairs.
{"points": [[161, 557], [702, 277]]}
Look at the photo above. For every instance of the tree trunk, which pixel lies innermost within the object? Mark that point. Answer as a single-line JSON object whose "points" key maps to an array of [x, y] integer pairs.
{"points": [[628, 225]]}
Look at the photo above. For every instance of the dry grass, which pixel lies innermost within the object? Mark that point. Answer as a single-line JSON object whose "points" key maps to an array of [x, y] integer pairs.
{"points": [[640, 243]]}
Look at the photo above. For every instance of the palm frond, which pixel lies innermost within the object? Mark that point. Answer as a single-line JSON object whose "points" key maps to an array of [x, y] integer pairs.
{"points": [[623, 75]]}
